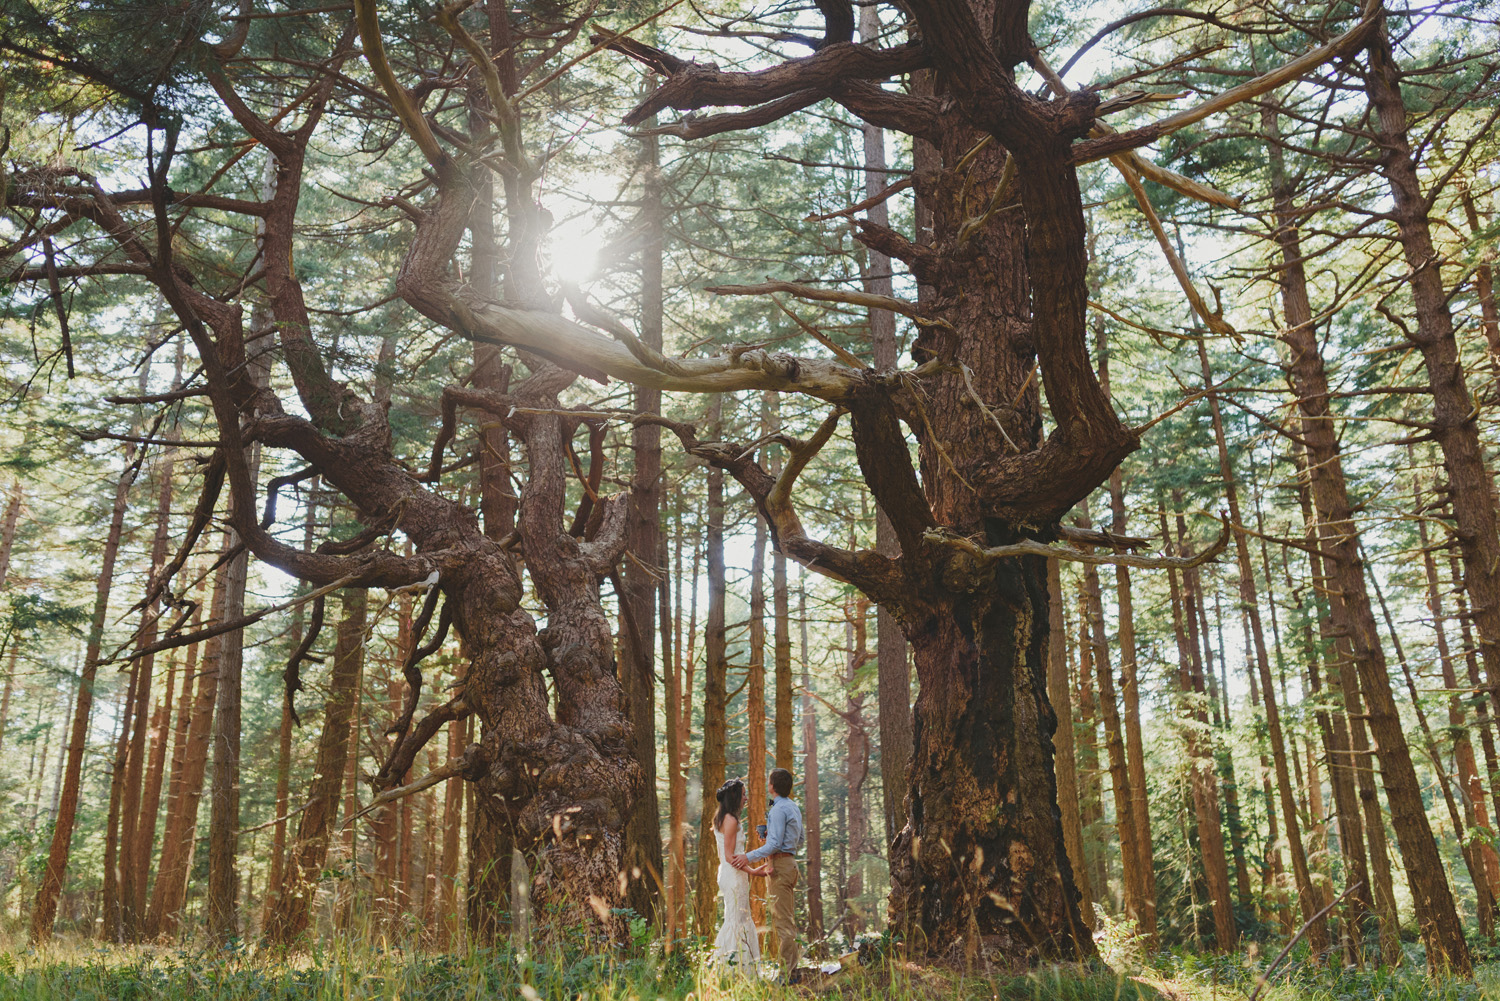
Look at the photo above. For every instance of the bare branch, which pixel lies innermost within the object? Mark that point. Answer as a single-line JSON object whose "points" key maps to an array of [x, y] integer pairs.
{"points": [[1097, 149], [1031, 547]]}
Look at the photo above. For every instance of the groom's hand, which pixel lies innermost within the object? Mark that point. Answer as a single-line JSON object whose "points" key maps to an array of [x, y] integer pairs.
{"points": [[739, 861]]}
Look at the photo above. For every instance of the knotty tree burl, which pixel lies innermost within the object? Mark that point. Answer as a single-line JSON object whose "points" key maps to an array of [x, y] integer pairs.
{"points": [[980, 863]]}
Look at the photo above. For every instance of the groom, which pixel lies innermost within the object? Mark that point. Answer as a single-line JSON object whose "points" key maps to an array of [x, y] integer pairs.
{"points": [[783, 839]]}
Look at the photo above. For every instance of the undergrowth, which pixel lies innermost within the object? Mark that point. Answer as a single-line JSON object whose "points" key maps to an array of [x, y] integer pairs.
{"points": [[86, 971]]}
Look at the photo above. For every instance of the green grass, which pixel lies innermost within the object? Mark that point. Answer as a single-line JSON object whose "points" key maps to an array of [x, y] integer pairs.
{"points": [[73, 969]]}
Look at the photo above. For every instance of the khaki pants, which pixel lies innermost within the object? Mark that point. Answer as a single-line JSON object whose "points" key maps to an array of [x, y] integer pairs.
{"points": [[783, 885]]}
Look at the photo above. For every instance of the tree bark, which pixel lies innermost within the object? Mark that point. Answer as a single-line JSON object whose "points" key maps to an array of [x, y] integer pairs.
{"points": [[277, 872], [1334, 729], [1131, 877], [8, 527], [289, 914], [677, 737], [142, 793], [1202, 769], [786, 748], [755, 707], [1059, 694], [893, 692], [1471, 788], [44, 908], [811, 792], [112, 925], [856, 762], [1457, 436], [1311, 901], [637, 603], [715, 695], [186, 784]]}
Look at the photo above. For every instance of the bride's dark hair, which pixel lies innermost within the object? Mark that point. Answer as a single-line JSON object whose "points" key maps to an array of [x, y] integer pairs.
{"points": [[731, 797]]}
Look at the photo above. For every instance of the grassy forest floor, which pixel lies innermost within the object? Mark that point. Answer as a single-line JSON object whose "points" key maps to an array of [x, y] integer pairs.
{"points": [[84, 970]]}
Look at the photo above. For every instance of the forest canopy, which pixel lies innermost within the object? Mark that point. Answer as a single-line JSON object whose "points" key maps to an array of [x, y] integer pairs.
{"points": [[453, 439]]}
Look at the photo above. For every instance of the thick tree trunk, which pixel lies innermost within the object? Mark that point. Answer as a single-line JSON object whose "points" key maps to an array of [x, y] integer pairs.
{"points": [[289, 915], [44, 908]]}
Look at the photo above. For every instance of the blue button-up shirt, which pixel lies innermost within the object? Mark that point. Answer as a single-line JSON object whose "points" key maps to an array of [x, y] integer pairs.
{"points": [[783, 830]]}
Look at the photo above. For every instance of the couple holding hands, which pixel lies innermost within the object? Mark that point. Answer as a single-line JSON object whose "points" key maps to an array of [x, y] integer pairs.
{"points": [[737, 942]]}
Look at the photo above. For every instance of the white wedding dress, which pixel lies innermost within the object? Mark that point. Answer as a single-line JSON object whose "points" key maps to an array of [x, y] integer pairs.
{"points": [[737, 944]]}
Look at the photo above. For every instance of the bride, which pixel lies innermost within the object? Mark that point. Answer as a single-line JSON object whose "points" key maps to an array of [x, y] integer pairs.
{"points": [[737, 943]]}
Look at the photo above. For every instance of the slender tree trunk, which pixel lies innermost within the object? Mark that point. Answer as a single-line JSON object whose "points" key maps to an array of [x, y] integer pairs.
{"points": [[12, 656], [450, 926], [8, 527], [1307, 894], [289, 915], [1484, 280], [1481, 849], [1445, 781], [1091, 800], [1469, 484], [1135, 746], [755, 705], [811, 793], [1140, 814], [1202, 771], [112, 926], [284, 734], [1223, 755], [637, 604], [134, 857], [715, 695], [1059, 693], [786, 748], [856, 762], [44, 908], [186, 783], [671, 667], [676, 737], [1334, 728], [1132, 878], [1471, 663], [682, 723]]}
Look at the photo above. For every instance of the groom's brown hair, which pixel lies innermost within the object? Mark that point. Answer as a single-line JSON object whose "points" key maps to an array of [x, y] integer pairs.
{"points": [[781, 782]]}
